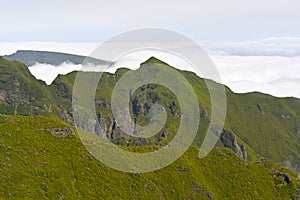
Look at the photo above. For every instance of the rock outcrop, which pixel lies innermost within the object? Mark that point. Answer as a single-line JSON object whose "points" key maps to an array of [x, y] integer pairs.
{"points": [[62, 132], [229, 140]]}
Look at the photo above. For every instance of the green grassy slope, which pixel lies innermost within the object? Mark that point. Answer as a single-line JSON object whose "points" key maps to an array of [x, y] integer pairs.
{"points": [[22, 94], [36, 164], [268, 126]]}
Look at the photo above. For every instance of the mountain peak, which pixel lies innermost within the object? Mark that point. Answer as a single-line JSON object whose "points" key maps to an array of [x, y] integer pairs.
{"points": [[152, 60]]}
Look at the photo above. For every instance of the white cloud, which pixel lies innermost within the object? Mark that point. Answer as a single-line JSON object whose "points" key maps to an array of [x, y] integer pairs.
{"points": [[269, 65], [275, 46], [275, 75], [48, 73]]}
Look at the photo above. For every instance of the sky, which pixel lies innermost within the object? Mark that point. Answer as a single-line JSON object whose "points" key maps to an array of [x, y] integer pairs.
{"points": [[97, 20], [255, 45]]}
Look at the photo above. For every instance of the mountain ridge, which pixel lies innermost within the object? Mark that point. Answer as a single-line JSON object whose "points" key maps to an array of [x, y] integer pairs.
{"points": [[258, 130], [267, 126], [35, 57], [31, 57]]}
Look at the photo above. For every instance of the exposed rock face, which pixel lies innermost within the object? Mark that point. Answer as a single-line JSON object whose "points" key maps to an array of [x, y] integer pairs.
{"points": [[184, 169], [244, 151], [228, 140], [261, 161], [117, 132], [103, 124], [259, 108], [285, 116], [67, 117], [285, 178], [2, 96], [102, 103], [62, 132], [141, 105], [282, 177]]}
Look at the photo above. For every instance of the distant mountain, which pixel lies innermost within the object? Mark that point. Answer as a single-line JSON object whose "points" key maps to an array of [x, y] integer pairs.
{"points": [[53, 58]]}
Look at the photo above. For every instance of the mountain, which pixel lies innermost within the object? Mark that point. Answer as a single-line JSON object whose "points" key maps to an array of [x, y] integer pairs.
{"points": [[22, 94], [19, 89], [43, 158], [257, 126], [52, 58]]}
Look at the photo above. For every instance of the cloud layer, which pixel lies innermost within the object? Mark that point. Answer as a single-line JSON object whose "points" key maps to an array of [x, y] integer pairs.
{"points": [[269, 65]]}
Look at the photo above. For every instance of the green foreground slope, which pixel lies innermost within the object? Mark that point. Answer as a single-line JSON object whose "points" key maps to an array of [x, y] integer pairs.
{"points": [[38, 162]]}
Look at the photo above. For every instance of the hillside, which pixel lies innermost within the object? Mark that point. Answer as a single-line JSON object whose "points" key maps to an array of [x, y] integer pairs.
{"points": [[42, 158], [257, 125], [22, 94]]}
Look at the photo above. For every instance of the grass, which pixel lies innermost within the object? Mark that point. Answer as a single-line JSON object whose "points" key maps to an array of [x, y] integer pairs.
{"points": [[37, 165], [267, 126]]}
